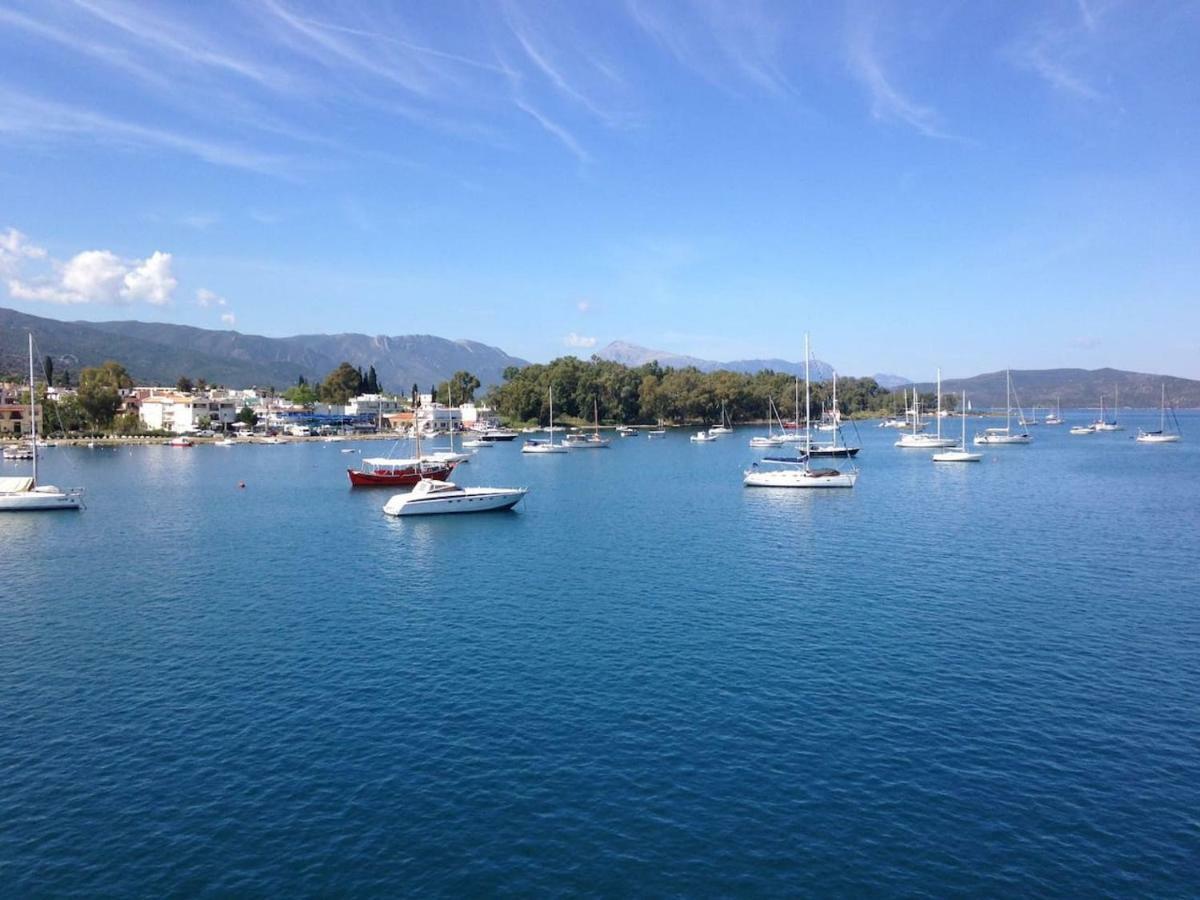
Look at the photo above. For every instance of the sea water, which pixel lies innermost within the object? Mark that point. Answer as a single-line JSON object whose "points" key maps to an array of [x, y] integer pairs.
{"points": [[647, 680]]}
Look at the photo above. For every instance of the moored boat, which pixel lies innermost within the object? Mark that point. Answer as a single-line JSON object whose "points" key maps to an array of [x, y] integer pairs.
{"points": [[378, 471], [445, 497]]}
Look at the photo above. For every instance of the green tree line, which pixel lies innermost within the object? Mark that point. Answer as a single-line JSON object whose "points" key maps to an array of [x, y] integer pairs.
{"points": [[652, 393]]}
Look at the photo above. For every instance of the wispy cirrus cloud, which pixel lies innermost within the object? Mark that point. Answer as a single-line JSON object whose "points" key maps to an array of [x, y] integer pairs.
{"points": [[888, 101], [23, 115], [1057, 47], [730, 45]]}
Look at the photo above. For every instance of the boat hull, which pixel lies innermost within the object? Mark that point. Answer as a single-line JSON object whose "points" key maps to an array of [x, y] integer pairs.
{"points": [[957, 456], [40, 501], [800, 478], [833, 452], [1157, 438]]}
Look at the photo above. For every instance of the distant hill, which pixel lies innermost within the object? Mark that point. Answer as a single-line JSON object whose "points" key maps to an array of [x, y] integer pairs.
{"points": [[1075, 387], [633, 355], [158, 353]]}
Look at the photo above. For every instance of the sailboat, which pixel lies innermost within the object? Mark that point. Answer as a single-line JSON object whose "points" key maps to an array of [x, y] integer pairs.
{"points": [[795, 436], [1054, 417], [801, 476], [1103, 424], [383, 471], [24, 494], [770, 439], [726, 426], [917, 439], [1006, 435], [836, 447], [451, 455], [1162, 436], [593, 441], [537, 446], [959, 453]]}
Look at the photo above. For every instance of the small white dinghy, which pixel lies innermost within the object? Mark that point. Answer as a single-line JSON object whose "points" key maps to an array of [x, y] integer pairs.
{"points": [[444, 497]]}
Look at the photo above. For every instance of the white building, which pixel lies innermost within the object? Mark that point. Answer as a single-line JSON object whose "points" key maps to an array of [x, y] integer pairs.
{"points": [[373, 404], [183, 413], [434, 417], [478, 418]]}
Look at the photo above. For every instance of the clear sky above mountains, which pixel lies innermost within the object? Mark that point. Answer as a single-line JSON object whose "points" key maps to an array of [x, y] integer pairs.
{"points": [[966, 184]]}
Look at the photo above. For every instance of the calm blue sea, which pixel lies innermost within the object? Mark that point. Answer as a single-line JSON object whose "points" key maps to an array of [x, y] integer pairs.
{"points": [[647, 681]]}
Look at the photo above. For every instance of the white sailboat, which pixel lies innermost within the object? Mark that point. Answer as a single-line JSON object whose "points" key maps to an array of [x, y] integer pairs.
{"points": [[802, 476], [593, 441], [726, 426], [1006, 435], [1104, 424], [24, 494], [959, 453], [917, 439], [837, 447], [1054, 417], [1162, 436], [770, 439], [535, 446]]}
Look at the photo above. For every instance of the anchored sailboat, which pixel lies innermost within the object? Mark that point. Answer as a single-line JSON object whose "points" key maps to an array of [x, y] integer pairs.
{"points": [[24, 494], [801, 476], [1006, 435], [1162, 436]]}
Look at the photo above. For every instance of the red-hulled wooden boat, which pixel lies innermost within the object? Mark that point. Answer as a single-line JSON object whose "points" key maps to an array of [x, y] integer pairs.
{"points": [[382, 472]]}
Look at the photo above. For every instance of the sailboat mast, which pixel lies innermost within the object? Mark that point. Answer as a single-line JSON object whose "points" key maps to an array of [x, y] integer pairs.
{"points": [[551, 415], [1008, 400], [807, 410], [32, 410], [1162, 410], [837, 417], [939, 404], [964, 420]]}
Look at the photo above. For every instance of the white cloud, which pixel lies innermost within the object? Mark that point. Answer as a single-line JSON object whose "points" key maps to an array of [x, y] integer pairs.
{"points": [[151, 281], [579, 340], [229, 319], [206, 298], [93, 276], [584, 306], [14, 248]]}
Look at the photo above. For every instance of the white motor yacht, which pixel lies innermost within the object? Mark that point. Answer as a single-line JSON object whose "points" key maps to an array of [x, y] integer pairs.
{"points": [[443, 497]]}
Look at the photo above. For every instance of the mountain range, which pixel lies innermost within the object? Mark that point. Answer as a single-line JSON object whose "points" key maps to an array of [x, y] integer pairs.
{"points": [[633, 355], [159, 353], [1073, 388]]}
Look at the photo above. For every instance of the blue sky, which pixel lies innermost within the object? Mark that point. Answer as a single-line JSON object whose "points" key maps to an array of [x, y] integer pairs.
{"points": [[970, 185]]}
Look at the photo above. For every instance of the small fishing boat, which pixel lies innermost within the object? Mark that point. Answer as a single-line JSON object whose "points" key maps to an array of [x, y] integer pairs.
{"points": [[578, 440], [1082, 429], [702, 437], [180, 441]]}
